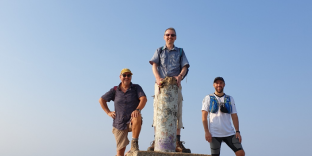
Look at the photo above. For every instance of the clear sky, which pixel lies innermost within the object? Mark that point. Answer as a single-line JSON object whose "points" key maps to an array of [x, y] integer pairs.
{"points": [[58, 57]]}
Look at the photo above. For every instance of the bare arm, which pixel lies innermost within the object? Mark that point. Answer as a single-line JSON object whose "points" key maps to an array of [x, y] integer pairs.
{"points": [[236, 126], [205, 124], [141, 105], [103, 104], [156, 74]]}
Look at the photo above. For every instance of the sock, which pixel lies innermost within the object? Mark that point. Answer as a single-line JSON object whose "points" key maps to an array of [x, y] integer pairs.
{"points": [[178, 137], [135, 139]]}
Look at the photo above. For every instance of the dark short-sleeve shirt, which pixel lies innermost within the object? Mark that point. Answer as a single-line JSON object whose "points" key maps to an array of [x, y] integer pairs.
{"points": [[169, 62], [125, 103]]}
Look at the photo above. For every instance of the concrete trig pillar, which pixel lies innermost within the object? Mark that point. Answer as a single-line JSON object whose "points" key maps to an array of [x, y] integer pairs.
{"points": [[166, 119]]}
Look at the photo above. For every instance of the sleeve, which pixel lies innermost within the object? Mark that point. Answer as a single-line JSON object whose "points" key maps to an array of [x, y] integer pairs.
{"points": [[110, 95], [184, 61], [140, 91], [155, 58], [206, 103], [233, 105]]}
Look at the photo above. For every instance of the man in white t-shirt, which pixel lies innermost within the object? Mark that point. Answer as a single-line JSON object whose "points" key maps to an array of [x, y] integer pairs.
{"points": [[221, 109]]}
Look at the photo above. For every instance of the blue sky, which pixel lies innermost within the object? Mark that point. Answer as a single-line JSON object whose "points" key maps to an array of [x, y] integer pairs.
{"points": [[58, 57]]}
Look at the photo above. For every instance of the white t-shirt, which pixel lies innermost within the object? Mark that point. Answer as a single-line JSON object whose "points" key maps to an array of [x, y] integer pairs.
{"points": [[219, 123]]}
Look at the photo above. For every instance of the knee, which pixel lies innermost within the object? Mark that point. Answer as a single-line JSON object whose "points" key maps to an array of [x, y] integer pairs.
{"points": [[137, 120], [240, 153]]}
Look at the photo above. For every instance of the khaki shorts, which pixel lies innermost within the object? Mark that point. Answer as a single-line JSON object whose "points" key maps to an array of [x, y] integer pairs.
{"points": [[121, 136], [180, 99]]}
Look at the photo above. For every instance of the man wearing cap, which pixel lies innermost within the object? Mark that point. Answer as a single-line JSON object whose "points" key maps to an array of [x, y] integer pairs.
{"points": [[129, 99], [170, 61], [221, 109]]}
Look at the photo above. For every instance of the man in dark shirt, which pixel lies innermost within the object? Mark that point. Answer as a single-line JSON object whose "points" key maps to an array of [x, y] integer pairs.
{"points": [[129, 99]]}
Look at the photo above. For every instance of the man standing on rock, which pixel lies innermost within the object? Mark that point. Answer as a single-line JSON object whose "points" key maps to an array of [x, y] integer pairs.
{"points": [[221, 109], [170, 61], [129, 99]]}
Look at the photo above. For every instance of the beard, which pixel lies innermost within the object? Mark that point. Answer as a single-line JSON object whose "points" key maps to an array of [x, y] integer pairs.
{"points": [[219, 90]]}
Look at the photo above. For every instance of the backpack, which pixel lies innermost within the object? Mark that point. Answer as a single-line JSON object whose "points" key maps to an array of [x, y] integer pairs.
{"points": [[181, 52], [214, 104]]}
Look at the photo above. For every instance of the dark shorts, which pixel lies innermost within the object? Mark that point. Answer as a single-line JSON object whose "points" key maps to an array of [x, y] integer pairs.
{"points": [[231, 141]]}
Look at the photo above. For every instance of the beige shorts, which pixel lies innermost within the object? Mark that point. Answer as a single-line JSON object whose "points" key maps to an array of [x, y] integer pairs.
{"points": [[180, 99], [121, 136]]}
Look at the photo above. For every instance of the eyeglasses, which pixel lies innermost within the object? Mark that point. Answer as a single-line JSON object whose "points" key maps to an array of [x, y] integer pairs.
{"points": [[172, 35], [126, 75]]}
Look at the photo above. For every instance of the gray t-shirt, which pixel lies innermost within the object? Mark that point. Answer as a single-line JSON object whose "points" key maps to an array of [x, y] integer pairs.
{"points": [[169, 62]]}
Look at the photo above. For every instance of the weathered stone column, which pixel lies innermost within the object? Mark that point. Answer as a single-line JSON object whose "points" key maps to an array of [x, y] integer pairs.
{"points": [[166, 119]]}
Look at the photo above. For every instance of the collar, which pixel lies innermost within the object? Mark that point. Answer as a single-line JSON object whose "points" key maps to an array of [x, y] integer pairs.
{"points": [[174, 48], [219, 96], [118, 87]]}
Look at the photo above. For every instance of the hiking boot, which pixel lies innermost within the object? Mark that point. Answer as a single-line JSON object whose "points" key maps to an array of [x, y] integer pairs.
{"points": [[134, 145], [151, 148], [181, 148]]}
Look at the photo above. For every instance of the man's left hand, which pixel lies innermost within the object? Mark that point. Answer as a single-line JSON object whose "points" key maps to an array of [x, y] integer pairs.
{"points": [[237, 135], [178, 78], [135, 113]]}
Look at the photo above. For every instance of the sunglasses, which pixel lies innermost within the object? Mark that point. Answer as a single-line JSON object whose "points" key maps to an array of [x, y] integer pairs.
{"points": [[172, 35], [126, 75]]}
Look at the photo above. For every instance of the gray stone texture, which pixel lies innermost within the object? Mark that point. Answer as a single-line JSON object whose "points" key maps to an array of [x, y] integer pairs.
{"points": [[148, 153]]}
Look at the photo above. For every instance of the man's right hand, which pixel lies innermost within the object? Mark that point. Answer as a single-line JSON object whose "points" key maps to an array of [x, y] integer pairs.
{"points": [[208, 136], [158, 81], [112, 114]]}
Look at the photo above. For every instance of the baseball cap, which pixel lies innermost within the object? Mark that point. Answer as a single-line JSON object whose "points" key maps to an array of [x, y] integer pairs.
{"points": [[126, 70], [218, 78]]}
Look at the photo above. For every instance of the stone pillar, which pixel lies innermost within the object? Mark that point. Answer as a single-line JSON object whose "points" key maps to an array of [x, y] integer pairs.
{"points": [[166, 119]]}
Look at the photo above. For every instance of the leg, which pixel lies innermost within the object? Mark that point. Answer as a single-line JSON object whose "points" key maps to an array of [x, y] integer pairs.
{"points": [[240, 153], [155, 104], [235, 145], [136, 126], [179, 114], [151, 148], [215, 146], [121, 152], [179, 144], [121, 137], [178, 131]]}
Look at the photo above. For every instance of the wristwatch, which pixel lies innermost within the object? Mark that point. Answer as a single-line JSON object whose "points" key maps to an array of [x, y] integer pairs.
{"points": [[138, 110]]}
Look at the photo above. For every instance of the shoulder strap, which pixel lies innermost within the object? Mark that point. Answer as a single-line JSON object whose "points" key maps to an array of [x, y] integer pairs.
{"points": [[227, 102], [115, 88], [213, 106], [181, 50], [160, 49]]}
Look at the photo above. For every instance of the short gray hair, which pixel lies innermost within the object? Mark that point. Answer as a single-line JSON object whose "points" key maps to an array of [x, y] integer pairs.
{"points": [[171, 29]]}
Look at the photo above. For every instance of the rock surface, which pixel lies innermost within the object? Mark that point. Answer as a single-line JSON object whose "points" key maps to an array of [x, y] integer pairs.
{"points": [[148, 153]]}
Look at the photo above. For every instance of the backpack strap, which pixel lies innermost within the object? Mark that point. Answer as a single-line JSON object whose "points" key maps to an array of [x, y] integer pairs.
{"points": [[115, 88], [227, 102], [160, 49], [213, 106]]}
